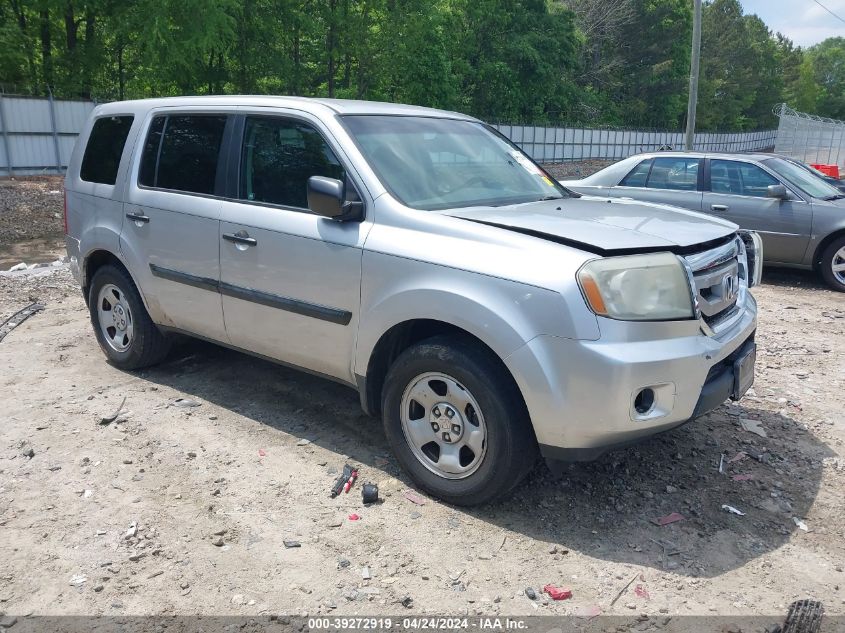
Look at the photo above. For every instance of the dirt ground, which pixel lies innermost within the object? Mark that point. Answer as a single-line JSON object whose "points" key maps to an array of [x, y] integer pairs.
{"points": [[214, 490]]}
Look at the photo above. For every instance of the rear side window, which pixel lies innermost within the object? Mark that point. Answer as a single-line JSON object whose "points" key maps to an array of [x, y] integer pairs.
{"points": [[279, 156], [674, 173], [181, 152], [638, 175], [105, 147]]}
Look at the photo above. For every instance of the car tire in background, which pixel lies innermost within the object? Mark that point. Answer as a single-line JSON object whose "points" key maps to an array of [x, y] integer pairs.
{"points": [[834, 257], [456, 421], [124, 330]]}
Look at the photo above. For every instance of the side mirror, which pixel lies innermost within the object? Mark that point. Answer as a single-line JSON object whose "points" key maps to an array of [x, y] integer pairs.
{"points": [[777, 191], [327, 197]]}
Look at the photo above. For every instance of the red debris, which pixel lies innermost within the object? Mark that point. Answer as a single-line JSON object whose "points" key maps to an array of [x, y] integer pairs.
{"points": [[261, 452], [556, 593], [669, 518], [353, 517], [413, 497], [742, 477], [642, 592]]}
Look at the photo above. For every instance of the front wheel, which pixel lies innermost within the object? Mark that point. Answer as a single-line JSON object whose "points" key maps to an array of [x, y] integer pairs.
{"points": [[456, 421], [833, 264]]}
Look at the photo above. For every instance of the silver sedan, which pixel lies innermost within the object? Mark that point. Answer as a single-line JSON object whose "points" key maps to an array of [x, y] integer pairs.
{"points": [[800, 217]]}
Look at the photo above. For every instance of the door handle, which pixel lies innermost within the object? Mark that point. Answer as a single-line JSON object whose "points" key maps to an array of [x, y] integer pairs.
{"points": [[718, 207], [241, 237], [137, 216]]}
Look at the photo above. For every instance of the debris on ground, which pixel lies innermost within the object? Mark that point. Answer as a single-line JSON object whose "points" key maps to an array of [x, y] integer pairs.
{"points": [[642, 592], [556, 593], [624, 589], [291, 544], [800, 524], [353, 517], [732, 510], [78, 579], [19, 317], [530, 593], [753, 426], [111, 418], [804, 616], [369, 494], [745, 477], [413, 497], [341, 481], [668, 519], [186, 403]]}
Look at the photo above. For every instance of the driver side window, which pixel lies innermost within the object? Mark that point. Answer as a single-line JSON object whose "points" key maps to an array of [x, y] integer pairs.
{"points": [[740, 179], [279, 156]]}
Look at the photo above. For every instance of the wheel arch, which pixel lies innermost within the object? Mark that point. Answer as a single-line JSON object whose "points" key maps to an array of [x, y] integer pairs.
{"points": [[396, 340], [820, 249], [98, 258]]}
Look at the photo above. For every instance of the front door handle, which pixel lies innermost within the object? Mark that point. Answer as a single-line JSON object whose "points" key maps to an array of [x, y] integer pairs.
{"points": [[241, 237], [718, 207], [137, 216]]}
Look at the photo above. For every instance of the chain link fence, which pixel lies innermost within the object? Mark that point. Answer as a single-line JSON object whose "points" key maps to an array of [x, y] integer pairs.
{"points": [[810, 138]]}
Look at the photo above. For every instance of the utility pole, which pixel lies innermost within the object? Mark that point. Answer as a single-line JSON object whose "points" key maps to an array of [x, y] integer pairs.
{"points": [[693, 74]]}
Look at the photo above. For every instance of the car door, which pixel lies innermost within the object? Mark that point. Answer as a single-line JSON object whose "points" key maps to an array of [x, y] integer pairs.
{"points": [[738, 191], [291, 280], [170, 238], [665, 180]]}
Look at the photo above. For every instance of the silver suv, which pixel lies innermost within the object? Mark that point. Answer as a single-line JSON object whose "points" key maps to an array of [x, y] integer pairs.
{"points": [[487, 313]]}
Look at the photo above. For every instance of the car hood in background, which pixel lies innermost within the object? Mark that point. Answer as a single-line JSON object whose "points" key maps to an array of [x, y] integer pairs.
{"points": [[604, 225]]}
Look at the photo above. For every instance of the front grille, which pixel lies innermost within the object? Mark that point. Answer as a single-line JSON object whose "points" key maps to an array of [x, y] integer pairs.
{"points": [[716, 275]]}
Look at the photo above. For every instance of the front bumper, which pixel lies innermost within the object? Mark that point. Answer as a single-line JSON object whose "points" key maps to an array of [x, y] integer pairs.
{"points": [[581, 395]]}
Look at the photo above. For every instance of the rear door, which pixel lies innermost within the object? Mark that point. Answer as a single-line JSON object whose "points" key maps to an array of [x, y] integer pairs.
{"points": [[171, 234], [738, 191], [291, 280], [670, 180]]}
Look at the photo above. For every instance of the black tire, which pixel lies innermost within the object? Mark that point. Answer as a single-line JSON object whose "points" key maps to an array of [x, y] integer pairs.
{"points": [[826, 264], [148, 345], [511, 448]]}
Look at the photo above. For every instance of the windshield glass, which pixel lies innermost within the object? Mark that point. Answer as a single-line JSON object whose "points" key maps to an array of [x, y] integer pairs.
{"points": [[802, 178], [430, 163]]}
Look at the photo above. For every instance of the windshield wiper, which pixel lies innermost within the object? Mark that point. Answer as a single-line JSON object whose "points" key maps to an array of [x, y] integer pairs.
{"points": [[838, 196], [544, 198]]}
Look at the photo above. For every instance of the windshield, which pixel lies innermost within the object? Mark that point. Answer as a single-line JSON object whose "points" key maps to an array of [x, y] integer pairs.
{"points": [[802, 179], [430, 163]]}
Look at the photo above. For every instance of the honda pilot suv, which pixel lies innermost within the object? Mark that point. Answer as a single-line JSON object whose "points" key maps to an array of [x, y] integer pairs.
{"points": [[484, 311]]}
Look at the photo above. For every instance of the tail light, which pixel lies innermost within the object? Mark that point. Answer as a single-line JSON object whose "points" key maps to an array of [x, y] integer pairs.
{"points": [[64, 212]]}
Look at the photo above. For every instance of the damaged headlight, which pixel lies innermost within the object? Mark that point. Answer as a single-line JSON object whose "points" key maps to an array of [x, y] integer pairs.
{"points": [[650, 287]]}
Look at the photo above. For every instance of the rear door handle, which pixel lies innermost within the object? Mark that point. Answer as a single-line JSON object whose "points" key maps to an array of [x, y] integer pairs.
{"points": [[241, 237], [137, 216], [718, 207]]}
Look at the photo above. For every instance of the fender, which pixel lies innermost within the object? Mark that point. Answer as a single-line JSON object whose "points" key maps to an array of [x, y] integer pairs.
{"points": [[503, 314]]}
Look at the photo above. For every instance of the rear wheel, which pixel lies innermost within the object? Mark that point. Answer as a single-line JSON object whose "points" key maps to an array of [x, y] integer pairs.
{"points": [[457, 422], [833, 264], [124, 330]]}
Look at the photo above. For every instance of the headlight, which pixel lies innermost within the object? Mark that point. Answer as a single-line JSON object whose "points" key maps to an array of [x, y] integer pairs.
{"points": [[754, 254], [652, 287]]}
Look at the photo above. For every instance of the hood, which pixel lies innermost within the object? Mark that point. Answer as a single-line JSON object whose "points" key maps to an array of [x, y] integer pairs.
{"points": [[605, 226]]}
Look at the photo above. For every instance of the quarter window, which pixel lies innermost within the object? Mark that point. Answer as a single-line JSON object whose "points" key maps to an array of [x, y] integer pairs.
{"points": [[105, 147], [638, 176], [674, 173], [181, 152], [279, 156], [740, 179]]}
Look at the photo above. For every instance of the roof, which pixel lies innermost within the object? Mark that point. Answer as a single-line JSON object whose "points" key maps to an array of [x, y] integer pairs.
{"points": [[695, 154], [308, 104]]}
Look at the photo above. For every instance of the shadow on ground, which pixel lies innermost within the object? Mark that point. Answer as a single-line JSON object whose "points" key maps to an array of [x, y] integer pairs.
{"points": [[602, 509]]}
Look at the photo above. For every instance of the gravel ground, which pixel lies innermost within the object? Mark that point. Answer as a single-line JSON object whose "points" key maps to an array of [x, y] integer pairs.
{"points": [[214, 490], [30, 208]]}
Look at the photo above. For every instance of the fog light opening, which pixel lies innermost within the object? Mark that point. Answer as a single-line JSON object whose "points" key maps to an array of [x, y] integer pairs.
{"points": [[644, 402]]}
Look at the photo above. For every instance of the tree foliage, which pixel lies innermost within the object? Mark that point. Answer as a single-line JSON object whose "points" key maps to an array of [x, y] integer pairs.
{"points": [[613, 62]]}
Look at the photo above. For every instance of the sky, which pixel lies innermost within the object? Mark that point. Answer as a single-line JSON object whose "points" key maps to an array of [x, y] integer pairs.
{"points": [[802, 21]]}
